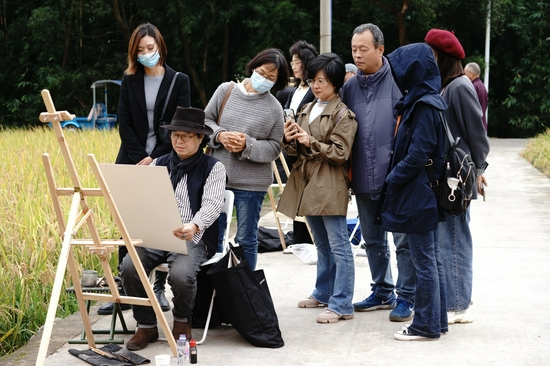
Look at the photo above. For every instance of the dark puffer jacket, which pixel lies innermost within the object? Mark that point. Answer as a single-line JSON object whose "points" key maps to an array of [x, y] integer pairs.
{"points": [[409, 204]]}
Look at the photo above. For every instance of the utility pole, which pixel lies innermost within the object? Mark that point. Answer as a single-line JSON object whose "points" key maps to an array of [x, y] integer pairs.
{"points": [[326, 26], [487, 54]]}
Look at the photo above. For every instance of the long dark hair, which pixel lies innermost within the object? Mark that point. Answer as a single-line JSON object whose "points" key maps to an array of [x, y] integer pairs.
{"points": [[449, 67]]}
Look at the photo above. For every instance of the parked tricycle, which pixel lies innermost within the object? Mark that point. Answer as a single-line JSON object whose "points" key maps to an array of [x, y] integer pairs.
{"points": [[99, 117]]}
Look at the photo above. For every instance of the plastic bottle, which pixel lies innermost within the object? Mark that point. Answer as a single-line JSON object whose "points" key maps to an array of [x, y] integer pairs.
{"points": [[182, 347], [192, 351]]}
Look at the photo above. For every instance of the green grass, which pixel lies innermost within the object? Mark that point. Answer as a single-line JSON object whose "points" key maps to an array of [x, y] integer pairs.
{"points": [[29, 240], [538, 152]]}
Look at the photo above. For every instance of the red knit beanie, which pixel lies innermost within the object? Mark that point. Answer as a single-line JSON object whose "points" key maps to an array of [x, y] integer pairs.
{"points": [[445, 42]]}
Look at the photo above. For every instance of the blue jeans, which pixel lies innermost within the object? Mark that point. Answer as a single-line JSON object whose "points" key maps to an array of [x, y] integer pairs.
{"points": [[378, 254], [406, 275], [457, 256], [430, 314], [182, 277], [335, 265], [222, 221], [248, 206]]}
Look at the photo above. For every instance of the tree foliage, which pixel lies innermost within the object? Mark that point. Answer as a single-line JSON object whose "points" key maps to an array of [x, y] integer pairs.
{"points": [[529, 93], [65, 45]]}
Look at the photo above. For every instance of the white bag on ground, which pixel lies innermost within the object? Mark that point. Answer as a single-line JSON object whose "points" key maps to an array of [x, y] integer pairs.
{"points": [[306, 252]]}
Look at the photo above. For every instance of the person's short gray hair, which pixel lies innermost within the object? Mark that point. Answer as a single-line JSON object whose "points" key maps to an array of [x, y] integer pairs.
{"points": [[377, 35], [474, 68]]}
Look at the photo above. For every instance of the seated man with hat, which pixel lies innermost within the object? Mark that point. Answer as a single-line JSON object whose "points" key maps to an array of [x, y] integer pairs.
{"points": [[199, 185]]}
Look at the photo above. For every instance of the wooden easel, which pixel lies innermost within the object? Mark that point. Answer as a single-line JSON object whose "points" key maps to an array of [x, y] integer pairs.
{"points": [[281, 187], [77, 217]]}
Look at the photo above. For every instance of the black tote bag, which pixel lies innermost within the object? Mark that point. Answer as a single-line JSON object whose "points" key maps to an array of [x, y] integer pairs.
{"points": [[246, 300]]}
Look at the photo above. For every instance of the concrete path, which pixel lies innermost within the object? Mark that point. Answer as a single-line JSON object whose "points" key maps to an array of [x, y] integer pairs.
{"points": [[511, 233]]}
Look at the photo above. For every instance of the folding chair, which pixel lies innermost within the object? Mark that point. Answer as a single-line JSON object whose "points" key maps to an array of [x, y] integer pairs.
{"points": [[229, 199], [228, 210], [281, 186]]}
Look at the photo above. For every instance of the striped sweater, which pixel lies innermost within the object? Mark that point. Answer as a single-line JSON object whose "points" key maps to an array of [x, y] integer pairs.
{"points": [[260, 117]]}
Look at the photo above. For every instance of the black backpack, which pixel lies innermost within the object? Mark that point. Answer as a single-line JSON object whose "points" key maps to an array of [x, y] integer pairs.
{"points": [[455, 193]]}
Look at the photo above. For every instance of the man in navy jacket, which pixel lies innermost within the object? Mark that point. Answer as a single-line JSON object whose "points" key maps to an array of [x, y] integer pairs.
{"points": [[372, 95]]}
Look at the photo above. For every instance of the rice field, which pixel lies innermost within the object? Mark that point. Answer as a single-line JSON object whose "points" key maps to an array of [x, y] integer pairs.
{"points": [[29, 239]]}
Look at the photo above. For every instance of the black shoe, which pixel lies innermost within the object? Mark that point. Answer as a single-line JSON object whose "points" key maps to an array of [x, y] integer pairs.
{"points": [[107, 308], [164, 304]]}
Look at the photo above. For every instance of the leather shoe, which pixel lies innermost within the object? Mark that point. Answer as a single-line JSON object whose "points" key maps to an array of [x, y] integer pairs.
{"points": [[164, 304], [142, 338], [182, 328], [107, 308]]}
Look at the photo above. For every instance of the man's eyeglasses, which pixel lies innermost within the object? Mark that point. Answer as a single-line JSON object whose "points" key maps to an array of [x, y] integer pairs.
{"points": [[320, 82], [182, 137]]}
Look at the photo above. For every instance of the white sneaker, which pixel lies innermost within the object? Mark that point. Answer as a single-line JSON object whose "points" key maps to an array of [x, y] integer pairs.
{"points": [[405, 335], [461, 316]]}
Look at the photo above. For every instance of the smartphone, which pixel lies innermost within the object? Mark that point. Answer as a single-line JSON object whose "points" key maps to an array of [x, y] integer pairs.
{"points": [[483, 191], [289, 113]]}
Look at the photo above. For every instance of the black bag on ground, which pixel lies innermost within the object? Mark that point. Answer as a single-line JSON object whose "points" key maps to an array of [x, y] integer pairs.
{"points": [[269, 241], [454, 194], [246, 300], [202, 302]]}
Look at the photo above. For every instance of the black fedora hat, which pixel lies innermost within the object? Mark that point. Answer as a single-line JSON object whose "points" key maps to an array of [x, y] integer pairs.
{"points": [[189, 120]]}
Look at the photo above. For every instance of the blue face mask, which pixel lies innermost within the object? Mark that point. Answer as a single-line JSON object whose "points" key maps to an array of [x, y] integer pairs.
{"points": [[149, 59], [261, 84]]}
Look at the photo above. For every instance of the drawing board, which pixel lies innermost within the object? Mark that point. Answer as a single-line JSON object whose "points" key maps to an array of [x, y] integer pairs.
{"points": [[145, 200]]}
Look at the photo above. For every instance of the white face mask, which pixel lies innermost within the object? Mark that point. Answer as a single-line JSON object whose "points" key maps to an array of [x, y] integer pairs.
{"points": [[261, 84], [149, 60]]}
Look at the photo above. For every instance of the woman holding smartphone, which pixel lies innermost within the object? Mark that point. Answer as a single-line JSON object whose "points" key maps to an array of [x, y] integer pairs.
{"points": [[317, 188]]}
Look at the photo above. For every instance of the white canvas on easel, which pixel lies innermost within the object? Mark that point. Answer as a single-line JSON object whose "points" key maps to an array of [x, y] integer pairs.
{"points": [[80, 214], [145, 199]]}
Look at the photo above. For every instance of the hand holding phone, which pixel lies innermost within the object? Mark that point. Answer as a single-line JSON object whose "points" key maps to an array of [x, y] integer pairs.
{"points": [[289, 114], [290, 129]]}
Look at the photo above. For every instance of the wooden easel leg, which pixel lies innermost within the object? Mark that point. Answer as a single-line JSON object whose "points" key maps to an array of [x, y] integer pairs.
{"points": [[133, 255], [274, 209], [58, 283], [81, 303]]}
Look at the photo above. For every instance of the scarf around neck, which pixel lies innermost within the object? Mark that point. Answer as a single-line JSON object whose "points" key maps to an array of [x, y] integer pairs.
{"points": [[178, 168]]}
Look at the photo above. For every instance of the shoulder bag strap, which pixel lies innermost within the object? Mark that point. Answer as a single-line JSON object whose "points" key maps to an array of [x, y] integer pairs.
{"points": [[168, 95], [208, 150], [225, 97], [339, 115]]}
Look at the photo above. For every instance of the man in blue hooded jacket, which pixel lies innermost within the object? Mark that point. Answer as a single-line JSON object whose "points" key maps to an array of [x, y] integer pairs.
{"points": [[372, 95]]}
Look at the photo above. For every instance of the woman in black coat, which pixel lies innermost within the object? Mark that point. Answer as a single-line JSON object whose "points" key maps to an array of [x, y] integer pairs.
{"points": [[143, 93], [142, 109]]}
